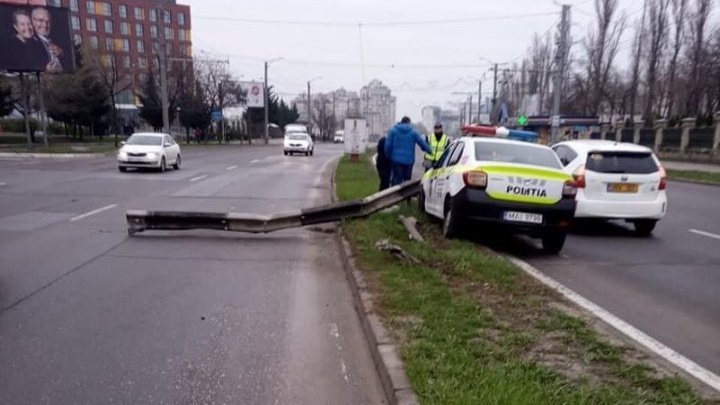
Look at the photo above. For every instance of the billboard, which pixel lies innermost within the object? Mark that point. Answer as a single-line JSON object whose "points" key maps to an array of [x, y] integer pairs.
{"points": [[255, 94], [356, 136], [35, 38]]}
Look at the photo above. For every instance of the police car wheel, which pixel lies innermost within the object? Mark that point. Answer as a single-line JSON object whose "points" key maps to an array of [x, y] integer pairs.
{"points": [[644, 227], [552, 242], [451, 223], [421, 202]]}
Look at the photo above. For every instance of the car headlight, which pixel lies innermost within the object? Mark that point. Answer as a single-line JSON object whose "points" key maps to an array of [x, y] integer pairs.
{"points": [[122, 155], [152, 155]]}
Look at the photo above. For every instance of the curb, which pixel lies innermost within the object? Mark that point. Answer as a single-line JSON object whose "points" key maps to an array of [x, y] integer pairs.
{"points": [[384, 352], [699, 182], [53, 155]]}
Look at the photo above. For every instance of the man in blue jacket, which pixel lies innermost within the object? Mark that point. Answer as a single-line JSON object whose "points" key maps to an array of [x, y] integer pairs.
{"points": [[400, 149]]}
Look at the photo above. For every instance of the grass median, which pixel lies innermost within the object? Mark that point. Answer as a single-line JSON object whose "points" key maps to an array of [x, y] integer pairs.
{"points": [[694, 175], [475, 329]]}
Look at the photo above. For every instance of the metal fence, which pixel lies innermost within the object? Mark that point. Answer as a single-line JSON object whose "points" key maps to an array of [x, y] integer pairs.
{"points": [[671, 139], [701, 138], [647, 137], [627, 135]]}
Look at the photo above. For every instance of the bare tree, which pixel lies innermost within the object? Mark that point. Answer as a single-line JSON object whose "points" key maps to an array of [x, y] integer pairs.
{"points": [[697, 55], [323, 116], [679, 8], [657, 30], [602, 48], [637, 52], [540, 61]]}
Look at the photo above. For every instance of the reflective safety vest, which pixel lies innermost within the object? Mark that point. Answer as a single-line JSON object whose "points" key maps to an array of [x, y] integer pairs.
{"points": [[438, 147]]}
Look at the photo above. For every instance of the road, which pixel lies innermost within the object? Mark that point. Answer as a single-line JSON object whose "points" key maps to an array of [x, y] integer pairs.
{"points": [[668, 286], [89, 315]]}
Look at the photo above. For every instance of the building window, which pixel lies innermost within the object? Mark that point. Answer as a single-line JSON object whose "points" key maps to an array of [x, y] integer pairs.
{"points": [[91, 24], [122, 10], [142, 62], [75, 21], [90, 7], [55, 3], [140, 46], [104, 9], [168, 49], [139, 31], [155, 63], [155, 46], [124, 28], [139, 13], [74, 5], [168, 33], [109, 44], [153, 31], [126, 62], [152, 14], [166, 17], [126, 45], [94, 42], [181, 35], [181, 19], [108, 27], [77, 39]]}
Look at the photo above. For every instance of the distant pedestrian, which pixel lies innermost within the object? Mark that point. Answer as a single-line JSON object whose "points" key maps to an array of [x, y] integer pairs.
{"points": [[383, 164], [438, 141], [400, 148]]}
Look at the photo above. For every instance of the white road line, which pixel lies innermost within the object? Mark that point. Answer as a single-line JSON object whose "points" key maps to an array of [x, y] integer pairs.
{"points": [[335, 333], [703, 233], [680, 361], [93, 212], [233, 167], [254, 160], [198, 178], [3, 184]]}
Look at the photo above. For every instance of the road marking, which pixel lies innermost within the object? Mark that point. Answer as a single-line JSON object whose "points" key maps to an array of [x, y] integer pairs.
{"points": [[198, 178], [335, 333], [3, 184], [254, 160], [233, 167], [93, 212], [677, 359], [703, 233]]}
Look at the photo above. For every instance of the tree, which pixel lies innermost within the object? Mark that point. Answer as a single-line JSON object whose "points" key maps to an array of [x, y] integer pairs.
{"points": [[324, 117], [697, 56], [658, 30], [194, 110], [678, 12], [602, 48], [637, 52], [6, 97], [151, 109]]}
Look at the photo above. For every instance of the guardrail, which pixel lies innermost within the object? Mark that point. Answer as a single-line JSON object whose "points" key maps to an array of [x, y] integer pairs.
{"points": [[140, 220]]}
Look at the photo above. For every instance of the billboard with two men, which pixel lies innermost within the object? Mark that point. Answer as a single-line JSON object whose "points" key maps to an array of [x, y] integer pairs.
{"points": [[35, 38]]}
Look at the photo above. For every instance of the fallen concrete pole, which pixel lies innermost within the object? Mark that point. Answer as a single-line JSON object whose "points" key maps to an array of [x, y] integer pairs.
{"points": [[140, 220]]}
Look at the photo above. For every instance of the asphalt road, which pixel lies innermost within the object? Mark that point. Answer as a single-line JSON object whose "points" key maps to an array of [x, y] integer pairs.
{"points": [[668, 286], [89, 315]]}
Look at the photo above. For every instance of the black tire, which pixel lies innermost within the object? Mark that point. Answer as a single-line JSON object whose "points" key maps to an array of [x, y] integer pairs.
{"points": [[421, 202], [644, 227], [307, 153], [122, 169], [553, 241], [285, 153], [177, 164], [312, 151], [163, 166], [451, 221]]}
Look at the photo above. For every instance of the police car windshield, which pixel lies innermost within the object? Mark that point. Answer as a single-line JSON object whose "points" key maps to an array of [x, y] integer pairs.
{"points": [[297, 136], [144, 140], [515, 153]]}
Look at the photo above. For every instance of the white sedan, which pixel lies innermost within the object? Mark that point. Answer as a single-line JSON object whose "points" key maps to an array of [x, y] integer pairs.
{"points": [[298, 142], [616, 181], [149, 150]]}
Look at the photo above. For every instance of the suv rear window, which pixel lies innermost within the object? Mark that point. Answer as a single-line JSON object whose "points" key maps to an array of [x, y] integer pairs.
{"points": [[621, 162], [516, 153]]}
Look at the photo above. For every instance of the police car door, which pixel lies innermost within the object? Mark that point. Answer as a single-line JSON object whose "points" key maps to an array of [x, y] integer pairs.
{"points": [[438, 172], [443, 181]]}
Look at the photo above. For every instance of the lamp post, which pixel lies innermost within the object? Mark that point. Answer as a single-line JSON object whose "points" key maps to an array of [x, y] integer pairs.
{"points": [[267, 101], [309, 102]]}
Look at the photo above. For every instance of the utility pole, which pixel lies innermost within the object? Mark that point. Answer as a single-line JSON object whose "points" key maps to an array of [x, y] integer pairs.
{"points": [[266, 102], [470, 109], [479, 100], [493, 120], [561, 58], [163, 73], [309, 103]]}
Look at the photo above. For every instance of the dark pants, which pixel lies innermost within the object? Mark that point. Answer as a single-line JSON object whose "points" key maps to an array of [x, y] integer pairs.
{"points": [[384, 174], [400, 173]]}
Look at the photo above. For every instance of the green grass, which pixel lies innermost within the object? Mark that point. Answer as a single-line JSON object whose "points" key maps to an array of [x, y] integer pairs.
{"points": [[64, 147], [705, 177], [474, 329]]}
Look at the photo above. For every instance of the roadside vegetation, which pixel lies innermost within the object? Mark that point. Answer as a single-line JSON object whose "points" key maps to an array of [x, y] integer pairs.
{"points": [[475, 329], [694, 175]]}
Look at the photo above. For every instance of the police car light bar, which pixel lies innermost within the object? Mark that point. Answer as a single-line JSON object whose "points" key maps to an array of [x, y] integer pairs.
{"points": [[499, 132]]}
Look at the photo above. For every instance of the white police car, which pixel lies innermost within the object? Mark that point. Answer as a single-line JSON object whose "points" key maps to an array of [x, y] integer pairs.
{"points": [[480, 183]]}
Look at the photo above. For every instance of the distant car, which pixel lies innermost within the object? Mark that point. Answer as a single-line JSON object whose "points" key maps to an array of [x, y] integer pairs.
{"points": [[339, 137], [149, 150], [298, 142], [481, 183], [295, 128], [616, 181]]}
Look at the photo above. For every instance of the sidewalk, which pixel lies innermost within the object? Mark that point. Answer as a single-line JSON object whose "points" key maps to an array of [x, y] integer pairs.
{"points": [[700, 167]]}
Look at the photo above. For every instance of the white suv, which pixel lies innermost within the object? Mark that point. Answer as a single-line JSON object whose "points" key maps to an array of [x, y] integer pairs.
{"points": [[616, 181], [298, 142]]}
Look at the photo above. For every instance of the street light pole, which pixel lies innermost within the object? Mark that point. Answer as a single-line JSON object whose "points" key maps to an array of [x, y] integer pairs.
{"points": [[266, 102], [309, 103]]}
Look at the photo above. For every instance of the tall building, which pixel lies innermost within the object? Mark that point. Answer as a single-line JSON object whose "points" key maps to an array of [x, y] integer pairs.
{"points": [[377, 105], [342, 102], [131, 31]]}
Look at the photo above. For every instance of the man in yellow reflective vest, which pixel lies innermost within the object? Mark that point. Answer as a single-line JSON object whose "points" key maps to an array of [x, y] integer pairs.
{"points": [[438, 141]]}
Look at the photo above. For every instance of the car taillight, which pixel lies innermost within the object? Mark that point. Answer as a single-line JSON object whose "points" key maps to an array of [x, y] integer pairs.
{"points": [[579, 176], [663, 179], [476, 179], [569, 190]]}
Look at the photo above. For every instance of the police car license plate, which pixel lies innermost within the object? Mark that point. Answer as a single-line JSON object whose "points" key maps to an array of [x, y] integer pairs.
{"points": [[515, 216]]}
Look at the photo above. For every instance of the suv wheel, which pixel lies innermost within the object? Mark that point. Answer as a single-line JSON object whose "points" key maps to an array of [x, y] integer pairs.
{"points": [[644, 227]]}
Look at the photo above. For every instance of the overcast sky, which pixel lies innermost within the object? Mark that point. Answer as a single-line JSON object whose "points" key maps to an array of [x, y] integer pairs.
{"points": [[404, 54]]}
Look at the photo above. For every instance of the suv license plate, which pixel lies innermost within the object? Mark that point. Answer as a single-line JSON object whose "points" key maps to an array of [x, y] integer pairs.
{"points": [[526, 217]]}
